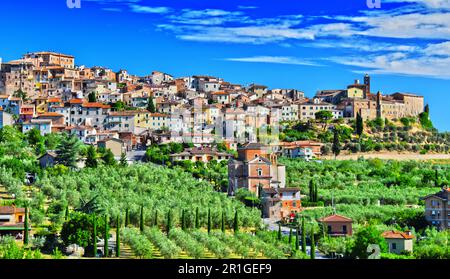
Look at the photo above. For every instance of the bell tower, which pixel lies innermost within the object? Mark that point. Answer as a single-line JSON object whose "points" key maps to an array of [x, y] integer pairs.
{"points": [[367, 84]]}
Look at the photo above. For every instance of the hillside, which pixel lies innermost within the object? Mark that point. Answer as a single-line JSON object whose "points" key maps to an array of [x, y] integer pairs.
{"points": [[404, 135]]}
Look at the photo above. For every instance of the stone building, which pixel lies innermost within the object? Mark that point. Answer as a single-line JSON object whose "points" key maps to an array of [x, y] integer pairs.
{"points": [[255, 168]]}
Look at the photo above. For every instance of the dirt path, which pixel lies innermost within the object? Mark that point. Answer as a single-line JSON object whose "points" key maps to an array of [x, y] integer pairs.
{"points": [[391, 156]]}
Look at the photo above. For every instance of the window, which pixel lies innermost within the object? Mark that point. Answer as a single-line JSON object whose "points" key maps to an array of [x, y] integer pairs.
{"points": [[329, 229], [260, 172], [394, 246]]}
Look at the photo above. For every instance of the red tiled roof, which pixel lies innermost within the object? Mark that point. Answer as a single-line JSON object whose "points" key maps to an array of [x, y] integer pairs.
{"points": [[76, 101], [397, 235], [95, 105], [54, 100], [335, 218], [50, 114]]}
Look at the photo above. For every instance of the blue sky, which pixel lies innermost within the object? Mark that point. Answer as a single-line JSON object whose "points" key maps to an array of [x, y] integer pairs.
{"points": [[308, 45]]}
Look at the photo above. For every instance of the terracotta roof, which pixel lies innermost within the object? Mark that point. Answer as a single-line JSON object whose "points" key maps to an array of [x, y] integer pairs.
{"points": [[54, 100], [50, 114], [76, 101], [335, 218], [11, 210], [396, 235], [95, 105]]}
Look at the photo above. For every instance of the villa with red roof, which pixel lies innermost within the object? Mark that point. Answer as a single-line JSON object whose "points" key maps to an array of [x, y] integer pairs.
{"points": [[337, 225]]}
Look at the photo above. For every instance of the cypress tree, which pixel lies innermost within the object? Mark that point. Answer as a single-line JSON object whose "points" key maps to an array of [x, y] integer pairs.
{"points": [[359, 125], [26, 232], [311, 190], [336, 143], [94, 236], [279, 232], [118, 237], [92, 98], [105, 247], [197, 221], [151, 105], [127, 216], [236, 222], [209, 220], [290, 236], [66, 215], [183, 220], [141, 224], [169, 221], [303, 236], [156, 218], [296, 239], [313, 245], [223, 222]]}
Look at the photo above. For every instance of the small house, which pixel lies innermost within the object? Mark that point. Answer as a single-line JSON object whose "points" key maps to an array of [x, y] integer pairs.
{"points": [[399, 242], [48, 159], [337, 225], [12, 221]]}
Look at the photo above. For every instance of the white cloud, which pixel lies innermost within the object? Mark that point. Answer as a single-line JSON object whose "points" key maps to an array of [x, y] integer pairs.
{"points": [[249, 34], [429, 26], [442, 49], [150, 10], [436, 4], [364, 45], [275, 59], [399, 63]]}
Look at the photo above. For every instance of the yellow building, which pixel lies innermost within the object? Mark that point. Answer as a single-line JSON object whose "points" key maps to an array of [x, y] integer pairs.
{"points": [[355, 92], [152, 121]]}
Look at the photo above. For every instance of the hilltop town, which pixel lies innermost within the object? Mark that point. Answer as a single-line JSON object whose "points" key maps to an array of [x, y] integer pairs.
{"points": [[46, 91], [81, 137]]}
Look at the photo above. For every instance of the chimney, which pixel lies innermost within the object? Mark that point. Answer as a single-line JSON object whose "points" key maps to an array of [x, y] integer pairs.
{"points": [[408, 232], [356, 81]]}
